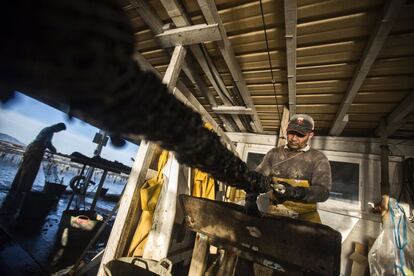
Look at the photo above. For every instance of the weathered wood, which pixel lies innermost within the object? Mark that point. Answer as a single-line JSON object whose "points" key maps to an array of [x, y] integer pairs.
{"points": [[189, 35], [270, 241], [398, 116], [159, 237], [211, 15], [374, 45], [199, 258], [222, 109], [174, 68], [129, 209], [155, 24], [180, 19], [283, 126], [184, 95], [290, 8]]}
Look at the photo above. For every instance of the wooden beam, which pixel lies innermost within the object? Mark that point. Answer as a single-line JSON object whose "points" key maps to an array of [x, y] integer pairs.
{"points": [[211, 15], [290, 7], [189, 35], [156, 26], [200, 254], [148, 16], [159, 237], [398, 116], [129, 209], [223, 109], [283, 127], [174, 68], [375, 43], [185, 95], [343, 123], [180, 19]]}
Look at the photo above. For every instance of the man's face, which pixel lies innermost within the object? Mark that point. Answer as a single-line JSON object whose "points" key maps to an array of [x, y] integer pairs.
{"points": [[297, 140]]}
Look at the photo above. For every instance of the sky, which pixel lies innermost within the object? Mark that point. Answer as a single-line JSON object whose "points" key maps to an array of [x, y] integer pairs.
{"points": [[23, 118]]}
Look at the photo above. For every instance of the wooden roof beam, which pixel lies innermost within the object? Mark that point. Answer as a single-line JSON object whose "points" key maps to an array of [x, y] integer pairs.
{"points": [[180, 19], [189, 35], [290, 7], [211, 15], [241, 110], [184, 95], [398, 116], [375, 43], [156, 26]]}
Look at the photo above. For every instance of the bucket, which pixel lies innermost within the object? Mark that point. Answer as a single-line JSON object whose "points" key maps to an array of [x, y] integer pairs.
{"points": [[37, 205], [54, 188], [77, 228], [130, 266]]}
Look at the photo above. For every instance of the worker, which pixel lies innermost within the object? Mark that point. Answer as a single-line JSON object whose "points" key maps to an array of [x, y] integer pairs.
{"points": [[32, 158], [303, 174]]}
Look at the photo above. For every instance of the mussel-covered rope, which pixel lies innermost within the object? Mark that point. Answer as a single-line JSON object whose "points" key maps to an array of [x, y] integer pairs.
{"points": [[80, 53]]}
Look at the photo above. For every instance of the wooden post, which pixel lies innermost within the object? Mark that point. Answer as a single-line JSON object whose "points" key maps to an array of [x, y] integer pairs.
{"points": [[385, 186], [159, 237], [129, 209], [283, 125], [199, 258], [227, 265]]}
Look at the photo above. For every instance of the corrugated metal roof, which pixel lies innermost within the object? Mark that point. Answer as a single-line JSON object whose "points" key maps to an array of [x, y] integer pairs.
{"points": [[331, 39]]}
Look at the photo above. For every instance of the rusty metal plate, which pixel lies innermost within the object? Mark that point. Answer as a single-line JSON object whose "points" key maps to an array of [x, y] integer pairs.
{"points": [[281, 243]]}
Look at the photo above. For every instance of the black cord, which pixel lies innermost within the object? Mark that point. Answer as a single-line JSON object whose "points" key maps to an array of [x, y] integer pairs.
{"points": [[204, 51], [270, 61]]}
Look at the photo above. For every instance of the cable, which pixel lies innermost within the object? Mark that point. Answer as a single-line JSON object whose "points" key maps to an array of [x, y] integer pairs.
{"points": [[205, 54], [270, 61]]}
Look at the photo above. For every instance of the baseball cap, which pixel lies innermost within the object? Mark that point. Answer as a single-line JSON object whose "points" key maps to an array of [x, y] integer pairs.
{"points": [[301, 123]]}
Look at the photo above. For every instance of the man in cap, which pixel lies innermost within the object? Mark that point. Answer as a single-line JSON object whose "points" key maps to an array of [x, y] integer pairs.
{"points": [[302, 174]]}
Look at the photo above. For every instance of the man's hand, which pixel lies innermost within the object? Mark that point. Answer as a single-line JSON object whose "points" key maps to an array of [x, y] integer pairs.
{"points": [[283, 191], [250, 205]]}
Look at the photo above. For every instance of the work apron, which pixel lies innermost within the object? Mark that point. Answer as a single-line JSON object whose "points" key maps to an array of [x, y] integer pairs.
{"points": [[299, 210]]}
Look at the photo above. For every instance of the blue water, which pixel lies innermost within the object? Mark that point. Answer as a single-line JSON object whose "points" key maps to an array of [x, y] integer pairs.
{"points": [[9, 166]]}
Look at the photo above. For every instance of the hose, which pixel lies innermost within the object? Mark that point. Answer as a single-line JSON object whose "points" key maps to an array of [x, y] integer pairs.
{"points": [[80, 53]]}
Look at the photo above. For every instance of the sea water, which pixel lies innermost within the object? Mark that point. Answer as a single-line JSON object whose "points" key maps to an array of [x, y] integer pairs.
{"points": [[114, 183]]}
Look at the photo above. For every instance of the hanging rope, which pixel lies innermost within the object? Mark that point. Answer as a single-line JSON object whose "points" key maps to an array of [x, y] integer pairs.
{"points": [[81, 53]]}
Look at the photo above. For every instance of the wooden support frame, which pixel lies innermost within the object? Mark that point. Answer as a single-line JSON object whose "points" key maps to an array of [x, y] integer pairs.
{"points": [[198, 264], [129, 209], [159, 237], [174, 68], [180, 19], [156, 26], [398, 116], [290, 8], [283, 127], [223, 109], [189, 35], [185, 95], [211, 15], [374, 45]]}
